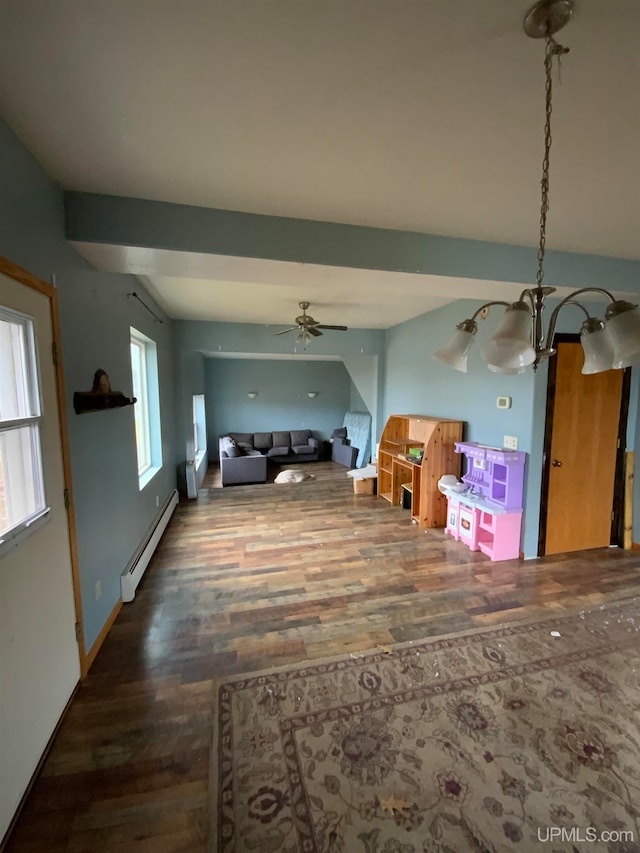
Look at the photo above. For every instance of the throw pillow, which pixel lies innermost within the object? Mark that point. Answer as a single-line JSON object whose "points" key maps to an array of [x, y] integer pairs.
{"points": [[228, 447], [238, 447]]}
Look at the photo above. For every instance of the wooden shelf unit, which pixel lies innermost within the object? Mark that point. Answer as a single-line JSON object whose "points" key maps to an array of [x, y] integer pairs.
{"points": [[436, 437]]}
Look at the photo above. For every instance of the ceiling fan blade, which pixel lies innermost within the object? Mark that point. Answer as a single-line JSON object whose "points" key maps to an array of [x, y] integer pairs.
{"points": [[284, 332], [313, 330], [336, 328]]}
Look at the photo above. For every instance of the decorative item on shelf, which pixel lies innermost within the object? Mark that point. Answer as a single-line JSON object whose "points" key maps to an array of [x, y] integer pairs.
{"points": [[100, 397], [312, 394], [520, 341], [252, 394]]}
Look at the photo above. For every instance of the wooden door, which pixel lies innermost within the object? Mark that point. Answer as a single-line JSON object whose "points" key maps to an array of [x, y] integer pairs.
{"points": [[582, 454], [39, 601]]}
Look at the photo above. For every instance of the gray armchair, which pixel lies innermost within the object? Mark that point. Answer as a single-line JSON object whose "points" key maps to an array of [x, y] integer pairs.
{"points": [[341, 450]]}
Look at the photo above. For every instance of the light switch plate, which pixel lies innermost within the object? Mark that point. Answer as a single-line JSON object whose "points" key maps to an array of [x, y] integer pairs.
{"points": [[510, 442], [503, 402]]}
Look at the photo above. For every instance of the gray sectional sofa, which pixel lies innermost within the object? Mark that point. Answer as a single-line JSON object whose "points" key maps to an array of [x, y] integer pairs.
{"points": [[244, 455]]}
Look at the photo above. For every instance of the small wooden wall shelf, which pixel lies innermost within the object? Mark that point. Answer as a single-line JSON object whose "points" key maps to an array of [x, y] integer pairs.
{"points": [[87, 401], [101, 397], [437, 438]]}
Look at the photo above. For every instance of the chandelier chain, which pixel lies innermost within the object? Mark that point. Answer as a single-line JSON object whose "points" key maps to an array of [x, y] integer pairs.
{"points": [[552, 50]]}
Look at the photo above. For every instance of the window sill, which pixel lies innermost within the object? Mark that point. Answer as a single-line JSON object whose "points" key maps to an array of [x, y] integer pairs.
{"points": [[147, 477], [15, 537]]}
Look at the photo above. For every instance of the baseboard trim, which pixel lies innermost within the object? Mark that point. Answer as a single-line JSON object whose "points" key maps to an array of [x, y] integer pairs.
{"points": [[95, 648], [36, 772], [635, 546]]}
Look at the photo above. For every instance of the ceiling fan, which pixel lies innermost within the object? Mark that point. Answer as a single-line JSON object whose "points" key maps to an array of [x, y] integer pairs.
{"points": [[307, 327]]}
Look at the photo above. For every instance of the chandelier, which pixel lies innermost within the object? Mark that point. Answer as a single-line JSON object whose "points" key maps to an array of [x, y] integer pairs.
{"points": [[520, 340]]}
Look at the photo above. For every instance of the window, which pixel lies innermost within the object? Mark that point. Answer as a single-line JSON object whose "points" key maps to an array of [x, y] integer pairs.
{"points": [[199, 428], [144, 372], [22, 499]]}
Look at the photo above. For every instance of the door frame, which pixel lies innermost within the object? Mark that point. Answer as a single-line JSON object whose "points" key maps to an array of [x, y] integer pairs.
{"points": [[26, 278], [618, 487]]}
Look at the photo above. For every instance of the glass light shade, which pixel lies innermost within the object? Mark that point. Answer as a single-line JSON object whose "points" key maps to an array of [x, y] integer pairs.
{"points": [[505, 371], [511, 347], [454, 352], [623, 325], [597, 345]]}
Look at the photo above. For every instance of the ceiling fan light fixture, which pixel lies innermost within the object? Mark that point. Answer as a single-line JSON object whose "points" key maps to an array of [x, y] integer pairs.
{"points": [[308, 328]]}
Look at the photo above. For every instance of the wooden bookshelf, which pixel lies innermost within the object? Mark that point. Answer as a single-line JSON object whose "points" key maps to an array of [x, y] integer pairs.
{"points": [[436, 437]]}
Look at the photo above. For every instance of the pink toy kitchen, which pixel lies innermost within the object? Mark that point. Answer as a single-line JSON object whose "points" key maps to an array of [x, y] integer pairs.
{"points": [[484, 512]]}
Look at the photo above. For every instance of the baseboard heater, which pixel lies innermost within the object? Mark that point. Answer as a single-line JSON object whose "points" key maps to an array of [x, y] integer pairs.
{"points": [[133, 573]]}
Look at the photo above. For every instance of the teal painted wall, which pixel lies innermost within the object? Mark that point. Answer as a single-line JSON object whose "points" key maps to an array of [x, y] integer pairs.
{"points": [[195, 338], [282, 401], [140, 222], [357, 404], [96, 316], [205, 337], [416, 382], [189, 366], [112, 515]]}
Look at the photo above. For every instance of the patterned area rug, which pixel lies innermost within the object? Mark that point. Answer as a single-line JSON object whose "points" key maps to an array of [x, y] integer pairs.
{"points": [[524, 737]]}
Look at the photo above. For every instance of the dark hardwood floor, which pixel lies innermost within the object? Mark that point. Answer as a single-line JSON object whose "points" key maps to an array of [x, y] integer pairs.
{"points": [[246, 578]]}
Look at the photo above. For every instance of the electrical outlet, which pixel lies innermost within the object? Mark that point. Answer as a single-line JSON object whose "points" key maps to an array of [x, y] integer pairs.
{"points": [[510, 442], [98, 589]]}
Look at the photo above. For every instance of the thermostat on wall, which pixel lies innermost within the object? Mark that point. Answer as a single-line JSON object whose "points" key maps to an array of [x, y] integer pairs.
{"points": [[503, 402]]}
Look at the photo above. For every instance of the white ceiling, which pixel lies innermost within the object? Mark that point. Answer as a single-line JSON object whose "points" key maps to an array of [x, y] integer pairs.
{"points": [[407, 114]]}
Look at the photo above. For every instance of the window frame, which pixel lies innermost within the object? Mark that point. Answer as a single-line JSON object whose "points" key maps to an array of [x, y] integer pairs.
{"points": [[28, 387], [199, 428], [144, 377]]}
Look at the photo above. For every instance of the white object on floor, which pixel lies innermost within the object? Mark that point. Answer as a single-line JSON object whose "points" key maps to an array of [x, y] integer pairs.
{"points": [[293, 477], [370, 470]]}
